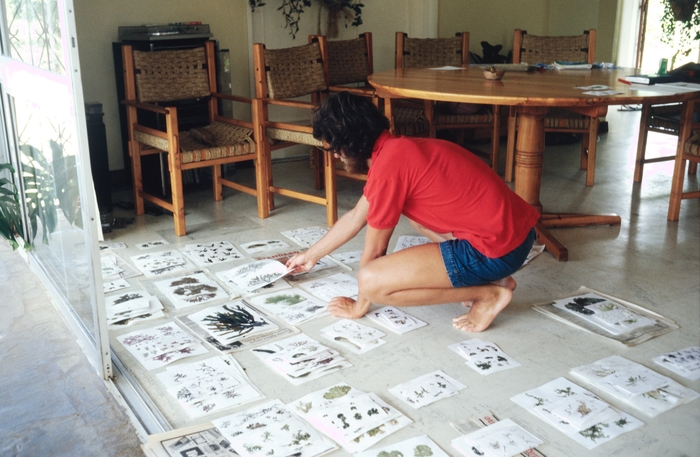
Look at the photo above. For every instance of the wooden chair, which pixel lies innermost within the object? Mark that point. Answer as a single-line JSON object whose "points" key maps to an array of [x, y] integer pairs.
{"points": [[350, 62], [688, 150], [281, 77], [664, 119], [153, 80], [439, 52], [534, 49]]}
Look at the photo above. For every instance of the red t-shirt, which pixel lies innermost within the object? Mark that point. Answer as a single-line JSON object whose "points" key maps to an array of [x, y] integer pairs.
{"points": [[447, 189]]}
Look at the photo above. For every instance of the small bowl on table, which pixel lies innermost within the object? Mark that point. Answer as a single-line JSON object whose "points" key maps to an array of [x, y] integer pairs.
{"points": [[493, 74]]}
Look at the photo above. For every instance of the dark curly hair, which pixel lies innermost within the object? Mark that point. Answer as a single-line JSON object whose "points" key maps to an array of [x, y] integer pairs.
{"points": [[350, 124]]}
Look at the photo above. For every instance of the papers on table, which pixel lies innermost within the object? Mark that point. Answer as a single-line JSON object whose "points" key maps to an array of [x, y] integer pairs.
{"points": [[155, 347], [503, 439], [271, 429], [427, 389], [685, 362], [607, 316], [300, 359], [418, 446], [484, 357], [193, 289], [395, 319], [576, 412], [641, 388], [295, 306], [354, 336], [354, 419], [125, 308], [209, 386]]}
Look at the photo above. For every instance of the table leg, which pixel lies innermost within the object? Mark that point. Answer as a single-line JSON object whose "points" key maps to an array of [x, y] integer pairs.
{"points": [[528, 181]]}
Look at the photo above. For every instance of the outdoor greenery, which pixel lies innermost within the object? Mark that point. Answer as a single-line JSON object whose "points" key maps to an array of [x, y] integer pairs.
{"points": [[681, 35], [10, 215], [293, 9]]}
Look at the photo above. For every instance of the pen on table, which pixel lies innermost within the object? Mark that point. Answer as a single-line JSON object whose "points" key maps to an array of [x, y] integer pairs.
{"points": [[624, 81]]}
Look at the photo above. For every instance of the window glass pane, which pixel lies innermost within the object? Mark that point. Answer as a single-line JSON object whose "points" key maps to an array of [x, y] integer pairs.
{"points": [[34, 33]]}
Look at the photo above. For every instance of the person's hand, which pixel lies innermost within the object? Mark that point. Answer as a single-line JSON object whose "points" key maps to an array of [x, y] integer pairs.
{"points": [[345, 307], [300, 262]]}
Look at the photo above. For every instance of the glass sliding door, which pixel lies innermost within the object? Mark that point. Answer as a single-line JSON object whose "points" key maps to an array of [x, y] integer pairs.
{"points": [[44, 127]]}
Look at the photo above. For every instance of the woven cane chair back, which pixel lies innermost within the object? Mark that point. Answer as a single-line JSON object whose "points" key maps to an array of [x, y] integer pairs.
{"points": [[163, 76], [432, 52], [348, 61], [293, 72], [547, 49]]}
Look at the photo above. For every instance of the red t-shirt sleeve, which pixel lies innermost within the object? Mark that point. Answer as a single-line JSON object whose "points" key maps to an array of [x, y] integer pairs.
{"points": [[386, 199]]}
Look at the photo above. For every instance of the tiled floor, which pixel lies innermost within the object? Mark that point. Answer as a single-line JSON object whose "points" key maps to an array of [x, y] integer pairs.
{"points": [[647, 260]]}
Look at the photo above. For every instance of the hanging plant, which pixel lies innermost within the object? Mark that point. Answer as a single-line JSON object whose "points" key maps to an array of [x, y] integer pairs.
{"points": [[293, 9]]}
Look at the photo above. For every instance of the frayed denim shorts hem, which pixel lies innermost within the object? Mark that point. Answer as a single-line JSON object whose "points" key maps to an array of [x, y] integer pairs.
{"points": [[466, 266]]}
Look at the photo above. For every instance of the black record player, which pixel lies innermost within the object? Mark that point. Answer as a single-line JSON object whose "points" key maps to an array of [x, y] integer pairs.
{"points": [[177, 30]]}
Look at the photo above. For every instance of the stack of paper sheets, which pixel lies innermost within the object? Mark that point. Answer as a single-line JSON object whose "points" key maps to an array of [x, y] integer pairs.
{"points": [[503, 439], [576, 412], [354, 419], [254, 275], [300, 359], [231, 322], [192, 289], [643, 389], [395, 319], [483, 356], [354, 336], [209, 385], [427, 389], [204, 254], [293, 305], [125, 308], [306, 236], [272, 430], [161, 263], [337, 285], [418, 446], [606, 314], [114, 267], [685, 362], [155, 347]]}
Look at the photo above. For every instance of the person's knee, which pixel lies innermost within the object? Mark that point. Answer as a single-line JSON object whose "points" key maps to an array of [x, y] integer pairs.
{"points": [[369, 282]]}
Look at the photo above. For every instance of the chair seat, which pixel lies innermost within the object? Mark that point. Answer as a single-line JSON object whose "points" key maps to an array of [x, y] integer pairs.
{"points": [[692, 146], [229, 141], [477, 118], [292, 137], [410, 121]]}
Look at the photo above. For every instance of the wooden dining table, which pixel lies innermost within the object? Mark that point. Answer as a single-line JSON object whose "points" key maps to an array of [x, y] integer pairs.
{"points": [[532, 93]]}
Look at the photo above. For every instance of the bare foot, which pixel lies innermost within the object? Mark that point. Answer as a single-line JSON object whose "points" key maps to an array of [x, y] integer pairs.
{"points": [[484, 311], [508, 283]]}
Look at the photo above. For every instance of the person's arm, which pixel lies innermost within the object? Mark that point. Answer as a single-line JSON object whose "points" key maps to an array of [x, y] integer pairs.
{"points": [[343, 231], [376, 243]]}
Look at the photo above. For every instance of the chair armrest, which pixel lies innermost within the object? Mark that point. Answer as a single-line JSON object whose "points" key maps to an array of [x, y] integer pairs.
{"points": [[362, 91], [228, 120], [289, 103], [147, 106], [234, 98]]}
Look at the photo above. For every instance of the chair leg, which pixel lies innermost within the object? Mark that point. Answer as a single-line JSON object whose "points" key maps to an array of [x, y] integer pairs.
{"points": [[692, 168], [137, 177], [642, 143], [592, 149], [674, 204], [510, 145], [331, 190], [495, 137], [178, 197], [318, 168], [218, 188]]}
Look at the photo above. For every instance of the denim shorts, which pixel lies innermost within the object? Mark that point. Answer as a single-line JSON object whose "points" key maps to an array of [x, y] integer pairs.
{"points": [[468, 267]]}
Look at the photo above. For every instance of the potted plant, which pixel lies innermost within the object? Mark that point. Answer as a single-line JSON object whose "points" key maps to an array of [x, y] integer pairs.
{"points": [[292, 10], [10, 213]]}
